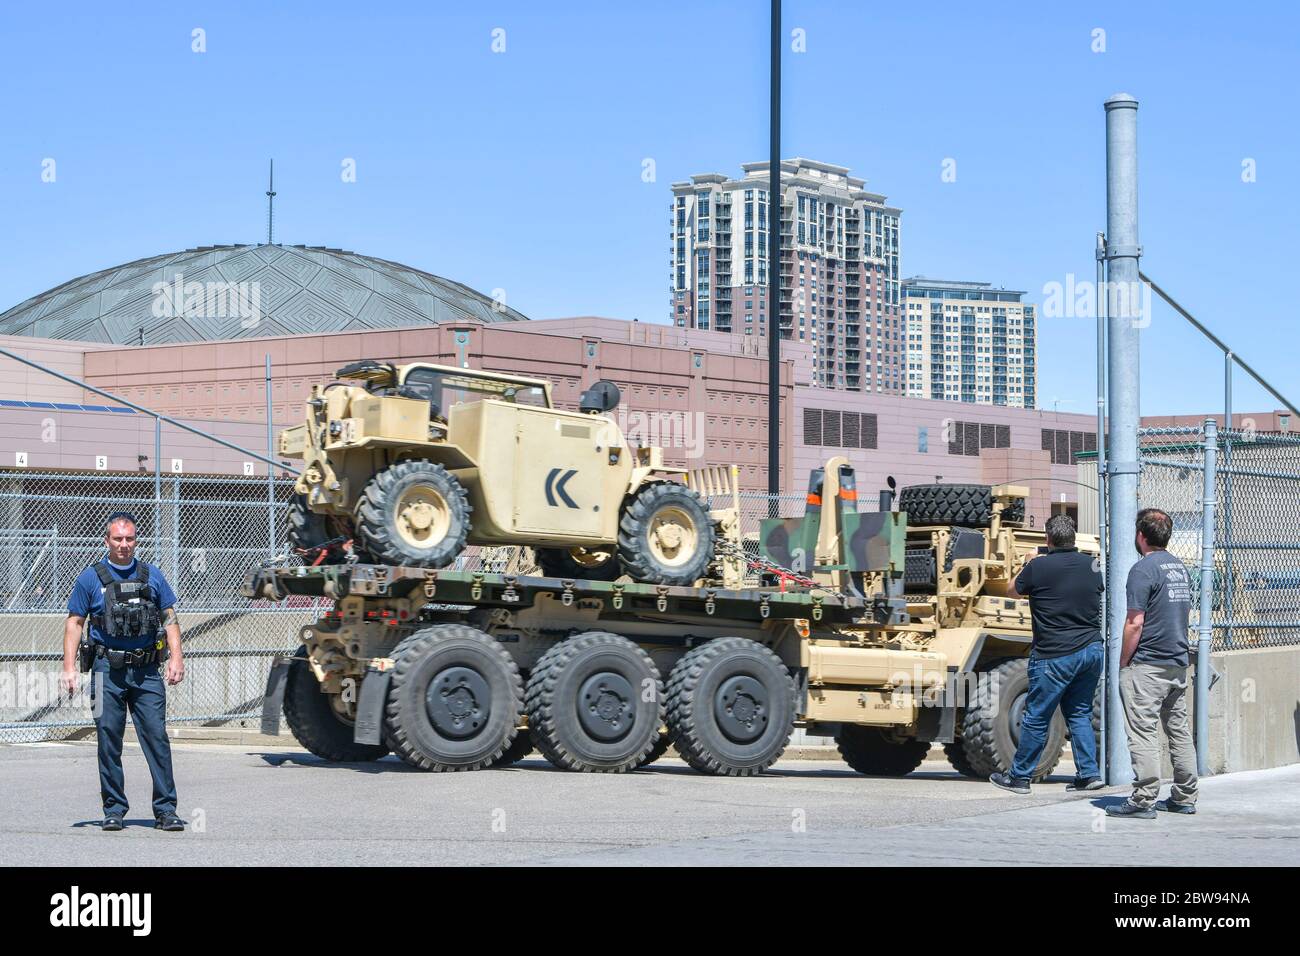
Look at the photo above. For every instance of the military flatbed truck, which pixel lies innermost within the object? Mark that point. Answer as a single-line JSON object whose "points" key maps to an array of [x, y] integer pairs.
{"points": [[886, 630]]}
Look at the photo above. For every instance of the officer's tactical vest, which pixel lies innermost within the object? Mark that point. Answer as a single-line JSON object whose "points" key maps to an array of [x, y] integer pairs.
{"points": [[130, 608]]}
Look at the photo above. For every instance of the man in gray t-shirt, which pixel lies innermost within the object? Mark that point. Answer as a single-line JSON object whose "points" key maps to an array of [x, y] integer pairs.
{"points": [[1153, 672]]}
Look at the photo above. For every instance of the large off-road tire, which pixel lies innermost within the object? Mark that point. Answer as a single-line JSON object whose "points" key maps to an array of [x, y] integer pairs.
{"points": [[665, 535], [968, 506], [308, 530], [595, 704], [314, 721], [454, 699], [877, 753], [413, 512], [662, 744], [519, 748], [579, 564], [731, 707], [956, 755], [989, 728]]}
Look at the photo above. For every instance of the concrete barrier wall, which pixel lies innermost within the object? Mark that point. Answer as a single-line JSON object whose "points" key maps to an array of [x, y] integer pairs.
{"points": [[1255, 709]]}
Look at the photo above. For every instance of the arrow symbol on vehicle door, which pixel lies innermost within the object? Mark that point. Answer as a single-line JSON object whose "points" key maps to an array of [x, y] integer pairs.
{"points": [[554, 487]]}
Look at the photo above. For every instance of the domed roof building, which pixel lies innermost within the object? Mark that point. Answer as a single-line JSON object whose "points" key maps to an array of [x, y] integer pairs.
{"points": [[246, 291]]}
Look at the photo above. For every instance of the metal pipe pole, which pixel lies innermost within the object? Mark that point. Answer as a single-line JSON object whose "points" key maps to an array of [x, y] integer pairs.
{"points": [[774, 208], [1205, 626], [1100, 305], [270, 471], [1123, 391], [1227, 499], [157, 488]]}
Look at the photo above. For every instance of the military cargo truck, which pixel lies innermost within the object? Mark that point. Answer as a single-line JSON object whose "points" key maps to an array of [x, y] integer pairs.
{"points": [[889, 631]]}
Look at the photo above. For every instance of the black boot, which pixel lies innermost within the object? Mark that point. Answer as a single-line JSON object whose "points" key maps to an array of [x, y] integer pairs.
{"points": [[168, 821]]}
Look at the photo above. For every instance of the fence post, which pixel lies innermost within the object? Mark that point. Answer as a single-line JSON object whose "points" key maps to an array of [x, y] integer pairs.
{"points": [[157, 488], [56, 588], [176, 532], [270, 469], [1205, 626], [1102, 513], [1229, 610]]}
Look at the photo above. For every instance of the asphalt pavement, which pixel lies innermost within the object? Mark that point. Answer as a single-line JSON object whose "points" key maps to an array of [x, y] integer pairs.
{"points": [[276, 804]]}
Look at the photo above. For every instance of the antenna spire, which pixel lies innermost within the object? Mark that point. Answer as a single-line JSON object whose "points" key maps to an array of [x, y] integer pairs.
{"points": [[270, 207]]}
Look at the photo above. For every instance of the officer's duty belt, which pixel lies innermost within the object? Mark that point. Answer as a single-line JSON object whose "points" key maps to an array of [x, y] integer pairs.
{"points": [[136, 658]]}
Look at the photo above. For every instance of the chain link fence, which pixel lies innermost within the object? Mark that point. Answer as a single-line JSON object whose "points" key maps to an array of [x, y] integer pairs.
{"points": [[1256, 541], [203, 532], [206, 531]]}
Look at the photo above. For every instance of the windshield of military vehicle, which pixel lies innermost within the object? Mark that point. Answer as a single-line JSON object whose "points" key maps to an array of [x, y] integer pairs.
{"points": [[449, 388]]}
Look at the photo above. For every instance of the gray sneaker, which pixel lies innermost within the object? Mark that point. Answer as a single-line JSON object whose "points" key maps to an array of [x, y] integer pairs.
{"points": [[1173, 806], [1130, 809], [1004, 781]]}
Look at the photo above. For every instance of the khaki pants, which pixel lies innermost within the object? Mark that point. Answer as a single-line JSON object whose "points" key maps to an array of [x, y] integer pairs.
{"points": [[1155, 695]]}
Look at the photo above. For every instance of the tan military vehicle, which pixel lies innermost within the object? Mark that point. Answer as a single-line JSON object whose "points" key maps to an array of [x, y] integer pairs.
{"points": [[414, 462]]}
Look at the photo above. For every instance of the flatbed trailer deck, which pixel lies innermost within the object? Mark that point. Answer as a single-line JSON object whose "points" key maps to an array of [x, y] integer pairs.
{"points": [[481, 589]]}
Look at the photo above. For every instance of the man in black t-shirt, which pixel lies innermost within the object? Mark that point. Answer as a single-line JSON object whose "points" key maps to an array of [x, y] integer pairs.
{"points": [[1153, 672], [1064, 589]]}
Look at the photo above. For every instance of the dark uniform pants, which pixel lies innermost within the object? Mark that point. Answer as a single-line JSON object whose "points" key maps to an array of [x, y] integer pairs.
{"points": [[140, 690]]}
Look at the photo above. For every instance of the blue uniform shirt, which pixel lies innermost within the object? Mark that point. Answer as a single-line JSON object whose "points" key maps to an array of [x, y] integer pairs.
{"points": [[87, 601]]}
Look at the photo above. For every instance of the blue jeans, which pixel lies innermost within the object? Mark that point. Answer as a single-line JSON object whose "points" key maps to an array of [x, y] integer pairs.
{"points": [[1069, 682], [140, 690]]}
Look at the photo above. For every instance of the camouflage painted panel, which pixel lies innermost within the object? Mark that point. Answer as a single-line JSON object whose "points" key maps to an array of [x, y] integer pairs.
{"points": [[789, 542], [875, 540]]}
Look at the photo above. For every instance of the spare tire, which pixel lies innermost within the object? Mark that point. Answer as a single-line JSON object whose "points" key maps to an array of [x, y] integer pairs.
{"points": [[967, 506]]}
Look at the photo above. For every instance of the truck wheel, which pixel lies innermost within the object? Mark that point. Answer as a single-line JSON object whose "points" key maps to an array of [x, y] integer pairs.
{"points": [[989, 730], [731, 707], [453, 699], [413, 512], [968, 506], [519, 748], [665, 535], [956, 755], [307, 530], [662, 743], [877, 753], [314, 721], [1097, 704], [587, 707], [579, 564]]}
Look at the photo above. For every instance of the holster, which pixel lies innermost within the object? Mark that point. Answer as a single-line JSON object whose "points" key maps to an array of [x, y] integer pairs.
{"points": [[85, 655]]}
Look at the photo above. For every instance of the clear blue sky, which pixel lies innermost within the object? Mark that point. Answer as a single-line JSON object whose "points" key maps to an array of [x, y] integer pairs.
{"points": [[522, 170]]}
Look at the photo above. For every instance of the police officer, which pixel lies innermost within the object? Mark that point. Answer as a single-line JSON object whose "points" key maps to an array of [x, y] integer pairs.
{"points": [[128, 604]]}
